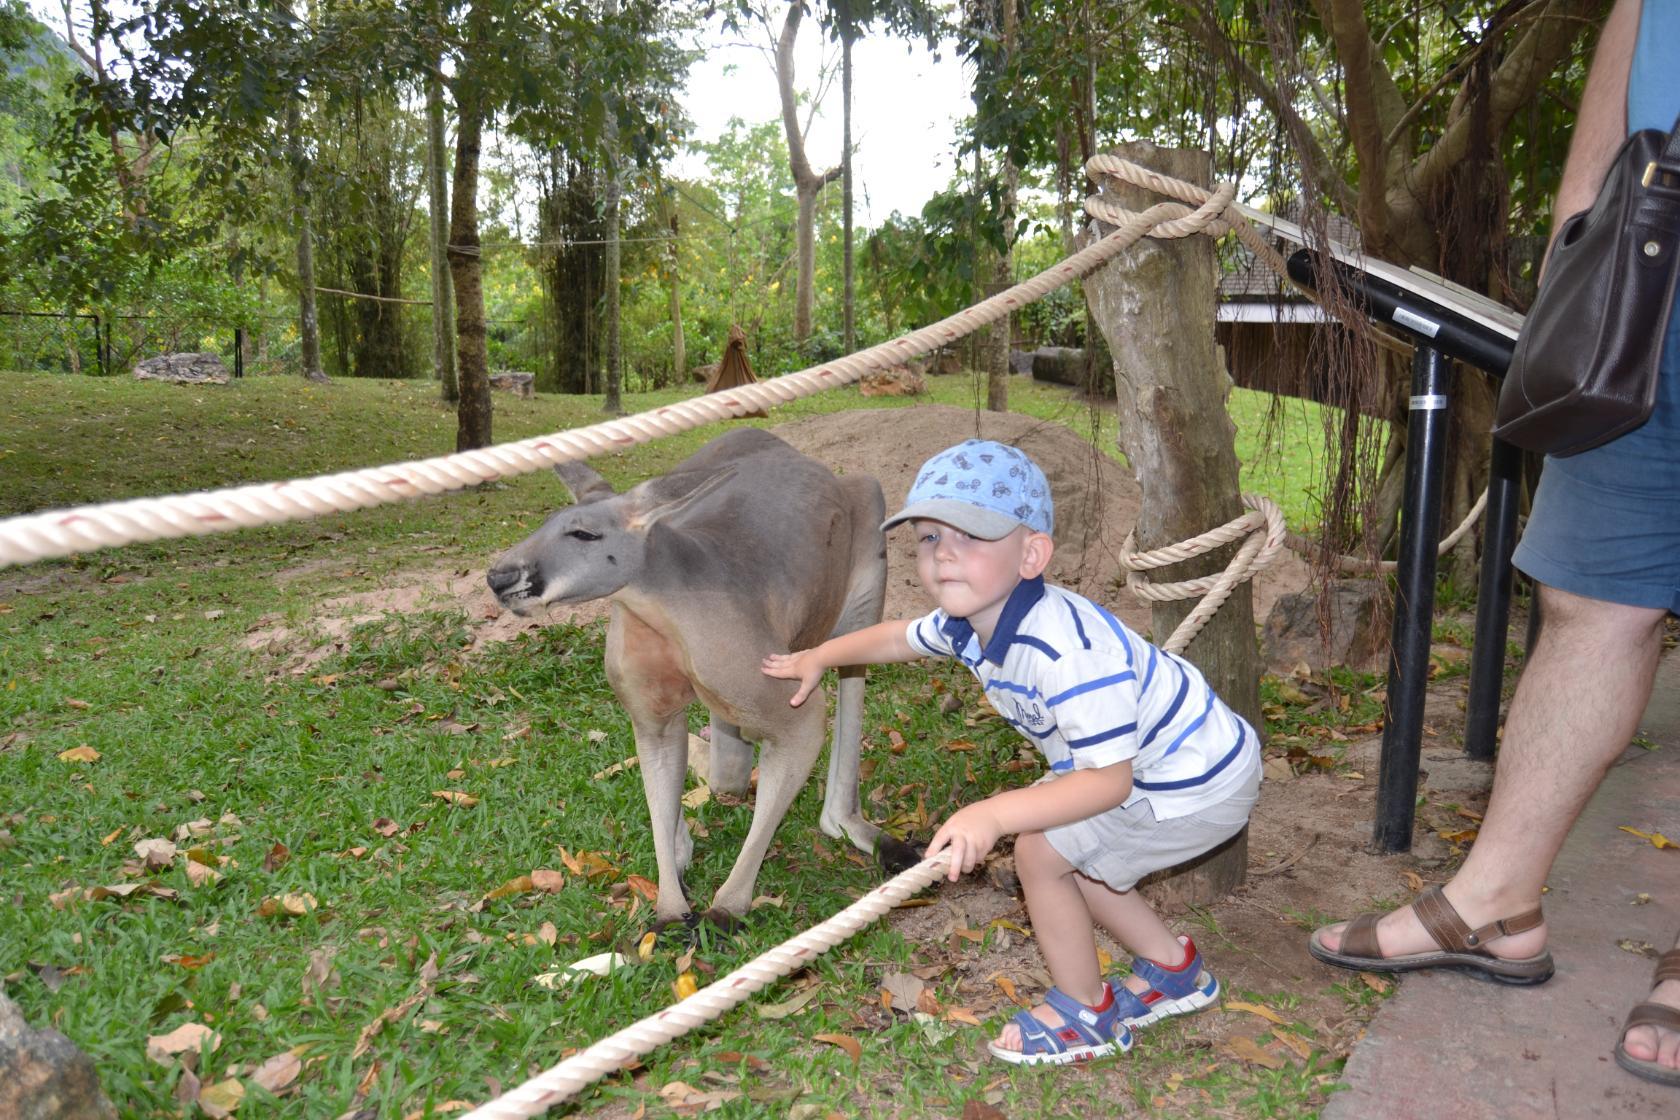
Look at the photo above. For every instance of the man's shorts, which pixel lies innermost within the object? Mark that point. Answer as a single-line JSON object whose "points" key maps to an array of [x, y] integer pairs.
{"points": [[1606, 523], [1123, 845]]}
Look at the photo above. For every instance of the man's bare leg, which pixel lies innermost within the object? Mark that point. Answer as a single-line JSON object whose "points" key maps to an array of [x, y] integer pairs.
{"points": [[1576, 709]]}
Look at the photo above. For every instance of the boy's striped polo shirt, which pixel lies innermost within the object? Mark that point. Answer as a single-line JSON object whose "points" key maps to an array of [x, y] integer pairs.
{"points": [[1088, 691]]}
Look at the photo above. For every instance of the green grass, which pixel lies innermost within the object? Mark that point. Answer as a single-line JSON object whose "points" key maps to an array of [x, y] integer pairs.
{"points": [[324, 784]]}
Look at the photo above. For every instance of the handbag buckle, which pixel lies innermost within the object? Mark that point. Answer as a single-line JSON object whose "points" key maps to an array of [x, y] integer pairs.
{"points": [[1655, 174]]}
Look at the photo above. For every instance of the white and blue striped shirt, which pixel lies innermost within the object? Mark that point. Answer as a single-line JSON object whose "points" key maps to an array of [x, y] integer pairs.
{"points": [[1089, 692]]}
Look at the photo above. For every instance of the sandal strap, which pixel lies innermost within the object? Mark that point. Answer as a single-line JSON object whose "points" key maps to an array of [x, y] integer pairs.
{"points": [[1652, 1015], [1453, 934], [1087, 1022], [1668, 967], [1359, 936]]}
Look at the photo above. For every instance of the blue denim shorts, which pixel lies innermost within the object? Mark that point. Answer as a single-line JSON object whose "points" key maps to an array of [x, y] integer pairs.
{"points": [[1606, 523]]}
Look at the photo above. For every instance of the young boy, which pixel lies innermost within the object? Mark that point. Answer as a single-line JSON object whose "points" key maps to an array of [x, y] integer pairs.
{"points": [[1148, 767]]}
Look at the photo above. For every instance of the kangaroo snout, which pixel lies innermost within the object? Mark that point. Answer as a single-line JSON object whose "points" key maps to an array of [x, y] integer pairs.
{"points": [[507, 580]]}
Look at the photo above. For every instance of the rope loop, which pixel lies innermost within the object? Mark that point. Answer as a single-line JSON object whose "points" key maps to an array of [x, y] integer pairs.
{"points": [[1263, 534]]}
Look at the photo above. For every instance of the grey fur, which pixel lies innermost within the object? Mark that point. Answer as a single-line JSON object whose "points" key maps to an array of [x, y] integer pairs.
{"points": [[745, 549]]}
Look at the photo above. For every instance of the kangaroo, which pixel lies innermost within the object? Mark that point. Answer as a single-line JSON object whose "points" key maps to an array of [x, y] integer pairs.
{"points": [[744, 549]]}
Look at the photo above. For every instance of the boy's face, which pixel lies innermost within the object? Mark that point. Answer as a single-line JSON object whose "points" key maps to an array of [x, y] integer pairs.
{"points": [[965, 576]]}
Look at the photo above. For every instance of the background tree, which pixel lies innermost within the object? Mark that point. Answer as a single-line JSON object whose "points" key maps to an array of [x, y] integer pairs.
{"points": [[807, 182]]}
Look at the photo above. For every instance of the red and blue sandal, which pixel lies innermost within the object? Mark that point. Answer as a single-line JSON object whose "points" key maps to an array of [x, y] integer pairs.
{"points": [[1172, 991], [1085, 1033]]}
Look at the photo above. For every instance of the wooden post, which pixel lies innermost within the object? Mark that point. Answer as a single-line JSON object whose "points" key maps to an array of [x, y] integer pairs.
{"points": [[1155, 304]]}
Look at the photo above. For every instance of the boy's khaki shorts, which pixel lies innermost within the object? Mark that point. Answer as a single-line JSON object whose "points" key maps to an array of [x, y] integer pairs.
{"points": [[1121, 846]]}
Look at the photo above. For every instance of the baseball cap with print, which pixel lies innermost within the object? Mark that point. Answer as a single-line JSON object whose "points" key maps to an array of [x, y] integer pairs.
{"points": [[982, 487]]}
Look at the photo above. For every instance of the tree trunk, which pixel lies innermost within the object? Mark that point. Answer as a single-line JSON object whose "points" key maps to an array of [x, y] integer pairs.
{"points": [[443, 341], [1155, 304], [613, 402], [309, 327], [473, 412], [1003, 275], [679, 346], [848, 304], [807, 183]]}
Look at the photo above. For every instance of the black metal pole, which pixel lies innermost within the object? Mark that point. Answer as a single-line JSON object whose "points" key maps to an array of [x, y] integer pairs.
{"points": [[1414, 605], [1493, 602], [239, 351]]}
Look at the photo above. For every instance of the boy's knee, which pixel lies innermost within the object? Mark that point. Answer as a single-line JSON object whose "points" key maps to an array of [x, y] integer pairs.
{"points": [[1035, 857]]}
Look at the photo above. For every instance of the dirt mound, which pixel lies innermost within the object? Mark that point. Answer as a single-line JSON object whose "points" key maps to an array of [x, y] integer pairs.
{"points": [[1096, 506]]}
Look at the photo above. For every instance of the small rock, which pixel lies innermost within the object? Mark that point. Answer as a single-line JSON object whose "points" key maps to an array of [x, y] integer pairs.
{"points": [[43, 1076]]}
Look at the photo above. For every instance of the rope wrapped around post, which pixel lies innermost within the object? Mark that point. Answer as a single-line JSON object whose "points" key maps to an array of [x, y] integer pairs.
{"points": [[1263, 534], [566, 1080]]}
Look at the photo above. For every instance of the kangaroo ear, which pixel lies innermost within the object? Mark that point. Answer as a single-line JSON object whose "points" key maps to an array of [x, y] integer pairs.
{"points": [[644, 519], [586, 486]]}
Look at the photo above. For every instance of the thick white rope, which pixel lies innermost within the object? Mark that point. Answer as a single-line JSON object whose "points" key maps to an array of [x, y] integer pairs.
{"points": [[62, 532], [1265, 535], [569, 1078], [1358, 564]]}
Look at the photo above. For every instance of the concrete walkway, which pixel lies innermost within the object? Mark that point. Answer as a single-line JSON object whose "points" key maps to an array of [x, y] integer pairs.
{"points": [[1449, 1046]]}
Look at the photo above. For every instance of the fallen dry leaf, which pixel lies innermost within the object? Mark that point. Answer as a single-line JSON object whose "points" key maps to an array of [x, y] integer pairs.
{"points": [[1376, 983], [287, 905], [278, 1073], [901, 990], [1657, 839], [1253, 1009], [1414, 882], [199, 875], [548, 881], [644, 947], [644, 887], [1007, 986], [520, 884], [385, 826], [685, 985], [456, 797], [83, 753], [156, 852], [1242, 1047], [276, 857], [219, 1100], [846, 1042], [1302, 1048], [105, 841], [786, 1007], [160, 1048]]}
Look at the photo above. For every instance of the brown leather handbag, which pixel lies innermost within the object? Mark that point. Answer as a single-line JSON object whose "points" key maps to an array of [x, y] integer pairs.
{"points": [[1584, 370]]}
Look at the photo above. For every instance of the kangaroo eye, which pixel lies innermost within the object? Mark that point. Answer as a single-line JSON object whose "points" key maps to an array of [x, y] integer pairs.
{"points": [[583, 535]]}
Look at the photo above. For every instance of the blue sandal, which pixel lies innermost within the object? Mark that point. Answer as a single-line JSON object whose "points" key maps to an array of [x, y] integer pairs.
{"points": [[1084, 1035], [1172, 991]]}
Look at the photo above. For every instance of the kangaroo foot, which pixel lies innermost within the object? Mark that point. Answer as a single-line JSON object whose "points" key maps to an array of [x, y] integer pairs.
{"points": [[894, 855]]}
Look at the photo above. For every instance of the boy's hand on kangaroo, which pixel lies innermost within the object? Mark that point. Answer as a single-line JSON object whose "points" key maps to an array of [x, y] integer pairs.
{"points": [[801, 667], [970, 834]]}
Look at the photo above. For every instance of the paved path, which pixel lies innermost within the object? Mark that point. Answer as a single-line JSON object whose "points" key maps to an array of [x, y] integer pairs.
{"points": [[1449, 1046]]}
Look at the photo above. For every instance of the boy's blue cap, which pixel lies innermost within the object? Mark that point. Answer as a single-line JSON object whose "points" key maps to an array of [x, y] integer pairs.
{"points": [[983, 488]]}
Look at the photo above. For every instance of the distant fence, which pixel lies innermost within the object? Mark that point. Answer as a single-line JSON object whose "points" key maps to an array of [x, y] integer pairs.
{"points": [[86, 342]]}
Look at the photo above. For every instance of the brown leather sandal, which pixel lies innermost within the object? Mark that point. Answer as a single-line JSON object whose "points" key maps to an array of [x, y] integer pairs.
{"points": [[1461, 948], [1652, 1015]]}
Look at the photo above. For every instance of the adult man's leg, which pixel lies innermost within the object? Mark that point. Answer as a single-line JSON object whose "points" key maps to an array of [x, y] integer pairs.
{"points": [[1576, 708]]}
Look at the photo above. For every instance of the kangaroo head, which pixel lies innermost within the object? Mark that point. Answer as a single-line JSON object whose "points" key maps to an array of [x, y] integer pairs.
{"points": [[597, 545]]}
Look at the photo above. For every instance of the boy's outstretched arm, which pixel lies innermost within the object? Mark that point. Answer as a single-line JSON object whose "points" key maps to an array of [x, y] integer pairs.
{"points": [[973, 830], [873, 645]]}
